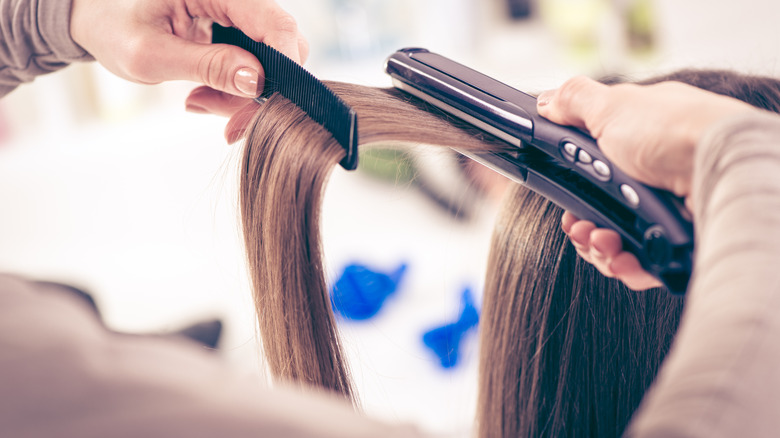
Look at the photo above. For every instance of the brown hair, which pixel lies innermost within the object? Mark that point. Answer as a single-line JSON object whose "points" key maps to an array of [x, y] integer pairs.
{"points": [[571, 352], [286, 164], [565, 350]]}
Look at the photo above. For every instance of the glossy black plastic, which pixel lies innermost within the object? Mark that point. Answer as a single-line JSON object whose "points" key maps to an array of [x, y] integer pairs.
{"points": [[657, 229]]}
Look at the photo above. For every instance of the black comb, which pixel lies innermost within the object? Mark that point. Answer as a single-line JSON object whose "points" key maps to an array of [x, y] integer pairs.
{"points": [[286, 77]]}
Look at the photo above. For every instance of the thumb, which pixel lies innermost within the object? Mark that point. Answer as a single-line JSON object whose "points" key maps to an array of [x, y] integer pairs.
{"points": [[575, 103], [220, 66]]}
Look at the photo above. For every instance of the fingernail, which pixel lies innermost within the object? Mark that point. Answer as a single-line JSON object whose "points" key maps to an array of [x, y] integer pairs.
{"points": [[246, 81], [545, 97], [190, 108]]}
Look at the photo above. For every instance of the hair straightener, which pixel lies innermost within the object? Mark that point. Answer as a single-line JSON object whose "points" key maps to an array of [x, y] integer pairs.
{"points": [[561, 163]]}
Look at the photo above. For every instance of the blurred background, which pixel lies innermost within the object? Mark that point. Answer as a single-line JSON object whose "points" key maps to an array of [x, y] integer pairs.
{"points": [[112, 187]]}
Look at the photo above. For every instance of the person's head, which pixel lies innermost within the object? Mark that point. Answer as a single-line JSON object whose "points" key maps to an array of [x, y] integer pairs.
{"points": [[570, 351]]}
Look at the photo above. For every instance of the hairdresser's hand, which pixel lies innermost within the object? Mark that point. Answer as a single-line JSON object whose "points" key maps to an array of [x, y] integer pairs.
{"points": [[650, 132], [151, 41], [603, 248]]}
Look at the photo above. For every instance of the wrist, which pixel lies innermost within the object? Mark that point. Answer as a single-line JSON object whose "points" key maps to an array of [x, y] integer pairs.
{"points": [[710, 116], [78, 23], [54, 26]]}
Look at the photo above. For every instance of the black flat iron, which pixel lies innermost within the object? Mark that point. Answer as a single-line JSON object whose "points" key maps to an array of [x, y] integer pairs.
{"points": [[561, 163]]}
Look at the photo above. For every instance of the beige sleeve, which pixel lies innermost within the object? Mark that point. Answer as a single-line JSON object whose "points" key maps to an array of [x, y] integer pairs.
{"points": [[35, 40], [722, 377], [64, 375]]}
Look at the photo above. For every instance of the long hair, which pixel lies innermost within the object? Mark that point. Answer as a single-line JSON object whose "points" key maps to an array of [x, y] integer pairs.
{"points": [[565, 351], [287, 160]]}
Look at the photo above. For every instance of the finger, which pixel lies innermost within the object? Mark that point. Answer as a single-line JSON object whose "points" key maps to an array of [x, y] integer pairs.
{"points": [[605, 243], [273, 26], [303, 48], [626, 267], [584, 255], [239, 124], [580, 234], [689, 204], [601, 265], [208, 100], [567, 220], [603, 249], [601, 262], [573, 103], [220, 66], [199, 31]]}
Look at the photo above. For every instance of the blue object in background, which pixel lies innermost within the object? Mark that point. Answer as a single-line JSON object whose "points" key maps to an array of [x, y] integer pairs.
{"points": [[360, 292], [445, 341]]}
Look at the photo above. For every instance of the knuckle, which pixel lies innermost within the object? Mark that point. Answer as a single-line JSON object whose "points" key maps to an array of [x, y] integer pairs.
{"points": [[570, 89], [212, 68], [570, 103], [283, 22], [584, 255]]}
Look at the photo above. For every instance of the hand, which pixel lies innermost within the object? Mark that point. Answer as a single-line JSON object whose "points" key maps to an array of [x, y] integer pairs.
{"points": [[651, 133], [151, 41], [603, 248]]}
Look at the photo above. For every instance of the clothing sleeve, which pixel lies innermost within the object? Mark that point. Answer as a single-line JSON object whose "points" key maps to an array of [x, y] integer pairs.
{"points": [[722, 377], [34, 40], [65, 375]]}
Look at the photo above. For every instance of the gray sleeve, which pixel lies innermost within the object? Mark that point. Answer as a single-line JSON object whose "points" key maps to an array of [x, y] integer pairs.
{"points": [[64, 375], [722, 377], [35, 40]]}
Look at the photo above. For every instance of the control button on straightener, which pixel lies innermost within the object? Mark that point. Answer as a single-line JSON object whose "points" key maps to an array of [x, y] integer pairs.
{"points": [[584, 157], [570, 149], [630, 195], [601, 168]]}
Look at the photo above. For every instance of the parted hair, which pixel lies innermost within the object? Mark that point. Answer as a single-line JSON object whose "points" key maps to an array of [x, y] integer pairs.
{"points": [[565, 351]]}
